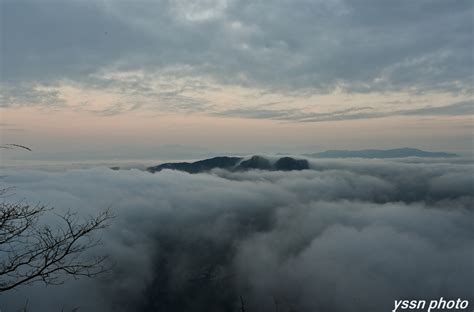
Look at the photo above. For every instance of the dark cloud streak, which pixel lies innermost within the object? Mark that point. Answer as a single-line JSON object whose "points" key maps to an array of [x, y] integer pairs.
{"points": [[464, 108]]}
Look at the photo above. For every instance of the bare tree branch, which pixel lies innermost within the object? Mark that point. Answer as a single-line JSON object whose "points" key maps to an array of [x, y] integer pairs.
{"points": [[12, 146], [31, 251]]}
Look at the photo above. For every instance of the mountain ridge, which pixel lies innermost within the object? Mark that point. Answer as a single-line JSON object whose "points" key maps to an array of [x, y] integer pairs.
{"points": [[379, 153], [286, 163], [235, 164]]}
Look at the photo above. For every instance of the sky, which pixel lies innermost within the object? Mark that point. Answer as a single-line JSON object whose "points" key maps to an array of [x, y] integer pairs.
{"points": [[104, 79]]}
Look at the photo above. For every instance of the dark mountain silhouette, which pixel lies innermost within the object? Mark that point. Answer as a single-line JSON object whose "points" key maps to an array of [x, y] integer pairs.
{"points": [[223, 162], [235, 164], [288, 163], [255, 162], [374, 153]]}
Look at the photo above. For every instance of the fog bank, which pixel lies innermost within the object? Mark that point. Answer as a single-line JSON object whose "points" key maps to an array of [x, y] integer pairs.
{"points": [[347, 235]]}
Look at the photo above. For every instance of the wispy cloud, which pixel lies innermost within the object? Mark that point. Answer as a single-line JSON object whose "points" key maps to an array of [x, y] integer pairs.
{"points": [[294, 115], [29, 94]]}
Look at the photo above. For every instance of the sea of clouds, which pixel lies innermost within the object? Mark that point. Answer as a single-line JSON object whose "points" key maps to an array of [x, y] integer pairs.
{"points": [[347, 235]]}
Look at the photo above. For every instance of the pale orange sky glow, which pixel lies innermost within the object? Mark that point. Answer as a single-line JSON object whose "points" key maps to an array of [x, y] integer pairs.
{"points": [[63, 130]]}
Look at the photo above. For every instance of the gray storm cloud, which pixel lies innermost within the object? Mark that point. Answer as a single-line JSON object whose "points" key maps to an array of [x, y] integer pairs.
{"points": [[360, 46], [346, 235]]}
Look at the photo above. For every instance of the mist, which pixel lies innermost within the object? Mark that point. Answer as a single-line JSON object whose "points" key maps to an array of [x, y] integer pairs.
{"points": [[346, 235]]}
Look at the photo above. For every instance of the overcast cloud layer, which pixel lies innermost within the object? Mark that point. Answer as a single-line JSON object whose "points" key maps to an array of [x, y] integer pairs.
{"points": [[161, 50], [316, 44], [345, 236]]}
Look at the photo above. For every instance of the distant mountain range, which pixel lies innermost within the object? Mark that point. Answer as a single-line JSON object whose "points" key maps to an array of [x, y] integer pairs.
{"points": [[235, 164], [375, 153], [288, 163]]}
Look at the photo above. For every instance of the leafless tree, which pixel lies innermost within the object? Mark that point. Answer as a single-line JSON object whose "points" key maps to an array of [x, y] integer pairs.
{"points": [[33, 250]]}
